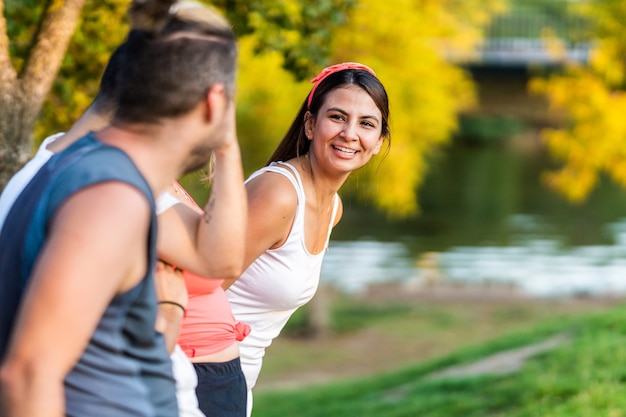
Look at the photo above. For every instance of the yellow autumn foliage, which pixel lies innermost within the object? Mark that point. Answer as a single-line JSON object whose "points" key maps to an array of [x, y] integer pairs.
{"points": [[591, 142], [401, 40], [268, 99]]}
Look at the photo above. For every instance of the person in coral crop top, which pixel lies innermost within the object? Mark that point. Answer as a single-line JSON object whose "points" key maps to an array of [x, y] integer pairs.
{"points": [[293, 202], [209, 335]]}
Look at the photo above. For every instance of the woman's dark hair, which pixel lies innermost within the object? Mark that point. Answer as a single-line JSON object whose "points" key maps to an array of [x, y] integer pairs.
{"points": [[295, 142], [106, 100], [176, 53]]}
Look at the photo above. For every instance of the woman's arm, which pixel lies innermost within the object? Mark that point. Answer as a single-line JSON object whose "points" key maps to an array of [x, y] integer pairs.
{"points": [[272, 203], [172, 298]]}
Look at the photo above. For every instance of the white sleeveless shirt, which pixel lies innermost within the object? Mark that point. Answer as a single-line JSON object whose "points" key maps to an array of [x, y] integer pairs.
{"points": [[276, 283]]}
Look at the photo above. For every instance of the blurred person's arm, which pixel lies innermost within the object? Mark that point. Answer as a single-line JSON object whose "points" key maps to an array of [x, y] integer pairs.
{"points": [[96, 249], [172, 298], [212, 243]]}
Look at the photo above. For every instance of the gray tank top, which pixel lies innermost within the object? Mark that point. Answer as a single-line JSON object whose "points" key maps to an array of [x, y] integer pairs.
{"points": [[125, 369]]}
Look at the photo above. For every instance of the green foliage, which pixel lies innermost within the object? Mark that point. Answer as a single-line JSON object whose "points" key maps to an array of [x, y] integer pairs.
{"points": [[297, 34], [580, 378], [286, 41], [102, 28], [22, 17], [483, 129], [300, 31]]}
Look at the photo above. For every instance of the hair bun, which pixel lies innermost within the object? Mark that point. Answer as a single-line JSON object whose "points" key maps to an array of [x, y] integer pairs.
{"points": [[150, 15]]}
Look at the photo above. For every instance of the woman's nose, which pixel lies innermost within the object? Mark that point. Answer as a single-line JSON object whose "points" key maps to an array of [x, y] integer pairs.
{"points": [[350, 131]]}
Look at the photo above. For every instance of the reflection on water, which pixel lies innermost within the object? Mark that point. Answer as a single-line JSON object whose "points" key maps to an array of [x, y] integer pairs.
{"points": [[537, 267], [352, 265], [489, 220]]}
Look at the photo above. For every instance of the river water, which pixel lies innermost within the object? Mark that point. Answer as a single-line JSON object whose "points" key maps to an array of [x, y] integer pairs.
{"points": [[487, 219]]}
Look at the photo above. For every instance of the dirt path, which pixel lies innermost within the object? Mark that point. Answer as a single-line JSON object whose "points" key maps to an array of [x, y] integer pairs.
{"points": [[505, 362], [435, 326]]}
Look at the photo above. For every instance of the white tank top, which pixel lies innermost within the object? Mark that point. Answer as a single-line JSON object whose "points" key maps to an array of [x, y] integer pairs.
{"points": [[277, 283]]}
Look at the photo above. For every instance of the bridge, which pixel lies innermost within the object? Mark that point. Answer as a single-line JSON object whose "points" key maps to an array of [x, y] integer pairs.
{"points": [[533, 37], [531, 34]]}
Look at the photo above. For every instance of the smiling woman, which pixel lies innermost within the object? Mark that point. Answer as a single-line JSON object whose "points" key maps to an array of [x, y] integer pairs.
{"points": [[347, 128], [293, 202]]}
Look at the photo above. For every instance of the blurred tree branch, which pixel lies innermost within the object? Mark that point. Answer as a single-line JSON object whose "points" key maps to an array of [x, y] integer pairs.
{"points": [[22, 94]]}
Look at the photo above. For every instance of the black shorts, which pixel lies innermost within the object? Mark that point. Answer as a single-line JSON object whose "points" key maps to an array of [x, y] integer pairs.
{"points": [[221, 390]]}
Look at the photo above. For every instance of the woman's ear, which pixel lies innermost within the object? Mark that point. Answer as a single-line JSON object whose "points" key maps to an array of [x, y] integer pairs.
{"points": [[309, 121], [378, 145], [216, 102]]}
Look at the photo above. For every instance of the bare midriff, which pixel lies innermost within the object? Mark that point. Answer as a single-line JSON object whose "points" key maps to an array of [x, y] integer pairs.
{"points": [[224, 355]]}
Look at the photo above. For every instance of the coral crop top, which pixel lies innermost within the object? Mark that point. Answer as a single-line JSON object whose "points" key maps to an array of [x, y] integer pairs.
{"points": [[209, 325]]}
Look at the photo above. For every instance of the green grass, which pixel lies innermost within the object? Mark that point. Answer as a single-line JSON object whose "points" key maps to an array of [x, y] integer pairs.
{"points": [[347, 316], [586, 377]]}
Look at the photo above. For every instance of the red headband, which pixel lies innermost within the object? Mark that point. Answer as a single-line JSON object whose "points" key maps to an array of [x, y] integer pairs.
{"points": [[333, 69]]}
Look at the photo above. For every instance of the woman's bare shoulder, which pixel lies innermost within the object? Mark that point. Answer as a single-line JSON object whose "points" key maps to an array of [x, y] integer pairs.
{"points": [[273, 190]]}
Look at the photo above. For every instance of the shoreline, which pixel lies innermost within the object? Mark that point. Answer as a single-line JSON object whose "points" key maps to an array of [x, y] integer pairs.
{"points": [[437, 321]]}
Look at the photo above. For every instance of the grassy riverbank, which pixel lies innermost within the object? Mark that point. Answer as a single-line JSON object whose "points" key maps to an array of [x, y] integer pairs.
{"points": [[583, 377]]}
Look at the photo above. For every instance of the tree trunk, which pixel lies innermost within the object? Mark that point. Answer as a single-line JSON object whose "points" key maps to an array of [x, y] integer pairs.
{"points": [[22, 96], [320, 314]]}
